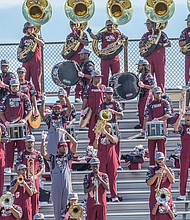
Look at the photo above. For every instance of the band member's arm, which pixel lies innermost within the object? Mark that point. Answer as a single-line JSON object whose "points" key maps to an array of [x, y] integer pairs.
{"points": [[167, 110], [28, 189], [39, 41], [164, 117], [83, 41], [42, 147], [114, 112], [28, 115], [170, 175], [151, 177], [42, 109], [142, 41], [41, 166], [183, 40], [2, 116], [84, 104], [154, 210], [104, 183], [68, 111], [16, 213], [111, 138], [27, 108], [88, 189], [177, 123]]}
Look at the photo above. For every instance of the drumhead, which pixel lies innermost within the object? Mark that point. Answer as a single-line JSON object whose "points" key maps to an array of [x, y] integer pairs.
{"points": [[127, 86], [66, 73]]}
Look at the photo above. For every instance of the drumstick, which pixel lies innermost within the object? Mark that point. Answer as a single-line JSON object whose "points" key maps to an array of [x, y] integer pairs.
{"points": [[135, 136]]}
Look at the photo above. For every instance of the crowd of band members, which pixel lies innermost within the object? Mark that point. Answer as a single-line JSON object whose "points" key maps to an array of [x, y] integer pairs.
{"points": [[19, 98]]}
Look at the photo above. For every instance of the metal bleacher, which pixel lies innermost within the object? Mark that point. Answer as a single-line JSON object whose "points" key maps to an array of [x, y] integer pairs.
{"points": [[130, 183]]}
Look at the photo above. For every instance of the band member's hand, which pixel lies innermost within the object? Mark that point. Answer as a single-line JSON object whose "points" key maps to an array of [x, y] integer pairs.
{"points": [[111, 110], [31, 37], [89, 30], [22, 121], [82, 113], [61, 130], [36, 113], [44, 135], [141, 84], [76, 37], [80, 74], [159, 173], [7, 123], [97, 136]]}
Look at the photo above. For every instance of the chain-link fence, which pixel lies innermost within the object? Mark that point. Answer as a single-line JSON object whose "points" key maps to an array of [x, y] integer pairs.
{"points": [[175, 67]]}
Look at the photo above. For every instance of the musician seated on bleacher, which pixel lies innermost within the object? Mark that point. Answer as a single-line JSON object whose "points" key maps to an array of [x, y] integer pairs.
{"points": [[15, 108], [21, 187], [160, 178], [96, 184], [60, 172], [158, 110]]}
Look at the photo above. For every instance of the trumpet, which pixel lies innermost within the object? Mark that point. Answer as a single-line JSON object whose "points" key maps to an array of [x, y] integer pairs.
{"points": [[6, 200], [75, 211], [96, 183], [30, 167], [20, 179]]}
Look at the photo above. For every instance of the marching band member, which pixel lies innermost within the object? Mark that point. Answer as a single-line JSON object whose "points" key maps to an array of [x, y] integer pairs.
{"points": [[107, 37], [158, 177], [12, 212], [5, 77], [184, 40], [96, 184], [27, 88], [3, 134], [146, 83], [93, 97], [115, 108], [158, 110], [87, 66], [184, 131], [35, 167], [15, 107], [157, 58], [33, 64], [60, 172], [107, 155], [75, 35], [22, 190], [56, 120]]}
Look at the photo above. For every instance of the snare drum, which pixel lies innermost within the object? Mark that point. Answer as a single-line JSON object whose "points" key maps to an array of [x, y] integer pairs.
{"points": [[155, 130], [17, 131]]}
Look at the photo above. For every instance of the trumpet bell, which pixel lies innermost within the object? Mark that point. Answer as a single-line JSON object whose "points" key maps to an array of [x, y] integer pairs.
{"points": [[105, 115], [163, 195], [159, 10], [119, 13], [79, 11], [37, 12]]}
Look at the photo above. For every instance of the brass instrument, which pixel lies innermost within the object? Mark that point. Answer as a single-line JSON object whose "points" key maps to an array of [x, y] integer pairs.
{"points": [[31, 174], [183, 99], [105, 115], [20, 179], [75, 211], [185, 49], [70, 48], [159, 10], [163, 195], [37, 12], [96, 183], [79, 11], [158, 183], [7, 200], [119, 12]]}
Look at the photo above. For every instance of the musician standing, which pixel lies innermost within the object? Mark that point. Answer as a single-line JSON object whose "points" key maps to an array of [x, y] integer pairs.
{"points": [[35, 167], [87, 66], [146, 83], [106, 143], [22, 190], [5, 77], [184, 40], [115, 108], [157, 56], [107, 37], [93, 97], [16, 106], [60, 172], [184, 131], [57, 119], [13, 212], [95, 185], [76, 36], [27, 88], [158, 110], [158, 177], [33, 63]]}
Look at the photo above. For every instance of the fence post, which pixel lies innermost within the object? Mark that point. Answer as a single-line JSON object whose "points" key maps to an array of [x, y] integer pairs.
{"points": [[42, 69], [126, 56]]}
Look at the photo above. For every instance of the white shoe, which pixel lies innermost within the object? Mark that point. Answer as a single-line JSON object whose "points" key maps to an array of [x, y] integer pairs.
{"points": [[77, 100], [7, 170], [115, 199], [181, 198]]}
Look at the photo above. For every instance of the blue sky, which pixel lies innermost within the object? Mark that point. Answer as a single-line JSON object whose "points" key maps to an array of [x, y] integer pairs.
{"points": [[57, 28]]}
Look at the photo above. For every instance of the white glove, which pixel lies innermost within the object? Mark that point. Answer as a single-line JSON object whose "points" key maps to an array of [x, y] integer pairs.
{"points": [[61, 130], [141, 84], [80, 74], [44, 135]]}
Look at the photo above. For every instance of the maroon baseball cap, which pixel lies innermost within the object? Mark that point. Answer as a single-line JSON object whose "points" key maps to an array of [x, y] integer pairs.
{"points": [[57, 106], [62, 144]]}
